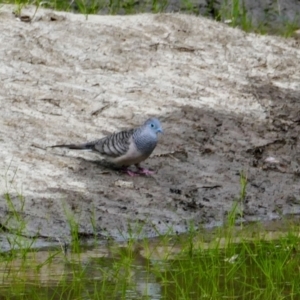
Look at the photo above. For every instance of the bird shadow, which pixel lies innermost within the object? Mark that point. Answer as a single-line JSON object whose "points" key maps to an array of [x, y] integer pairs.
{"points": [[100, 166]]}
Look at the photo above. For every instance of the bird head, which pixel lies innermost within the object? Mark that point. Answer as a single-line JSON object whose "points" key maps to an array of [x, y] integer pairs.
{"points": [[154, 125]]}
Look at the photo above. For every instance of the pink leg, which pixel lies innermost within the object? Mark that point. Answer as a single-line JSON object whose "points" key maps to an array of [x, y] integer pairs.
{"points": [[144, 171], [130, 173], [140, 171]]}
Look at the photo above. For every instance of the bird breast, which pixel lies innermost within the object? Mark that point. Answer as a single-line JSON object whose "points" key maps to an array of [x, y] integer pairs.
{"points": [[145, 143]]}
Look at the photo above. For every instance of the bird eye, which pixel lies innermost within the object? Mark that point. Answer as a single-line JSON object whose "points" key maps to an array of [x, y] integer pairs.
{"points": [[152, 125]]}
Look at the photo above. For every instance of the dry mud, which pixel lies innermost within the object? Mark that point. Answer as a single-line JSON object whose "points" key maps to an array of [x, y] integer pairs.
{"points": [[228, 102]]}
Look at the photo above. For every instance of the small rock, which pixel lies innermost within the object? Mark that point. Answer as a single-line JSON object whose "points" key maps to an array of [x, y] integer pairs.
{"points": [[124, 184]]}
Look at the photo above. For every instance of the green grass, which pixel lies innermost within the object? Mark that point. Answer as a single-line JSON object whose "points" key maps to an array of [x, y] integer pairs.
{"points": [[234, 13], [228, 262]]}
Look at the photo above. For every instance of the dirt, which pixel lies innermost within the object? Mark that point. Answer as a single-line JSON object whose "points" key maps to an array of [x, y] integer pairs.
{"points": [[228, 102]]}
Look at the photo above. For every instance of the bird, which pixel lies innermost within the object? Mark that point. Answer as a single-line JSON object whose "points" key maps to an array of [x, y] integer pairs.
{"points": [[127, 147]]}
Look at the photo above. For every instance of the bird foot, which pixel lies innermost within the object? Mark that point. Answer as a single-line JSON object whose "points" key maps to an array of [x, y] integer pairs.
{"points": [[146, 172], [131, 173], [140, 171]]}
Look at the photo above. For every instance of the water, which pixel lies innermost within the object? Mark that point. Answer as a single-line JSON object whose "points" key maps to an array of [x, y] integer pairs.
{"points": [[235, 264]]}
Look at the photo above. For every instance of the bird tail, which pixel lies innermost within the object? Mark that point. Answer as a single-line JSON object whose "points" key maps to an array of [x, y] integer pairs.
{"points": [[74, 146]]}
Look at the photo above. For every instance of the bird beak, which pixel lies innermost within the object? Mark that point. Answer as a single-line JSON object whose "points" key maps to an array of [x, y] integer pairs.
{"points": [[160, 130]]}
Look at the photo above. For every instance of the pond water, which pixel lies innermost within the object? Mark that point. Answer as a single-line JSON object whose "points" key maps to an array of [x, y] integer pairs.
{"points": [[235, 264]]}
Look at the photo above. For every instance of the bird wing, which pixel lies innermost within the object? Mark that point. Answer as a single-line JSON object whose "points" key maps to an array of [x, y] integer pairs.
{"points": [[114, 145]]}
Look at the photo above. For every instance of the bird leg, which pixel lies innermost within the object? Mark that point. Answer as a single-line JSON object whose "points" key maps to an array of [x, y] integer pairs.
{"points": [[144, 171], [140, 171], [129, 172]]}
